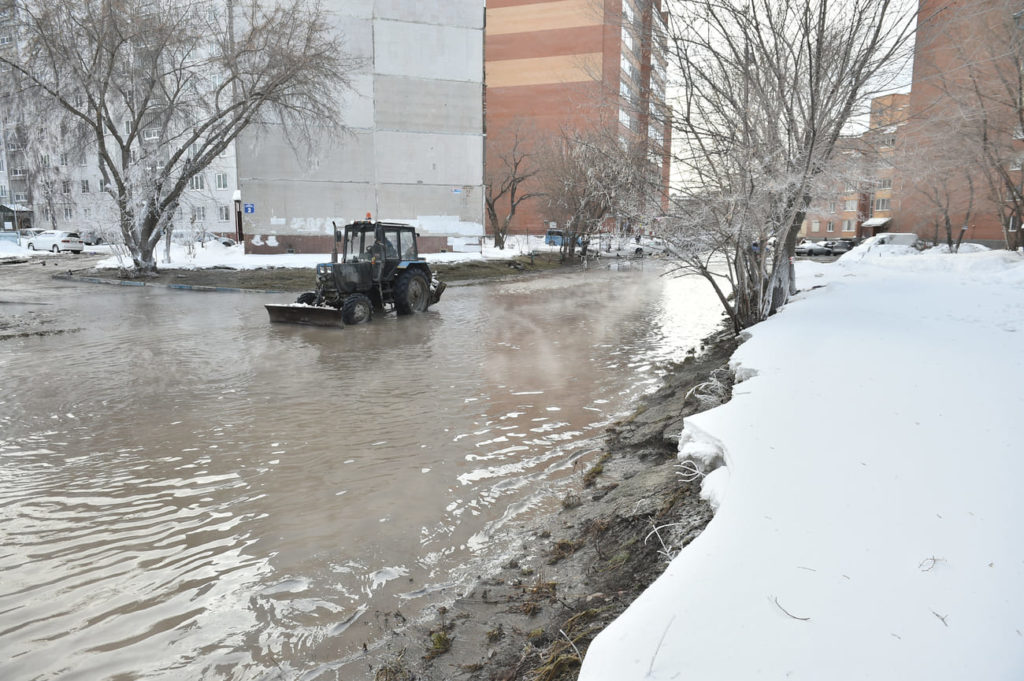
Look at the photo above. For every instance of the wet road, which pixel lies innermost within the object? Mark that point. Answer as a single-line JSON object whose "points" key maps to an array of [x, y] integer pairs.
{"points": [[189, 492]]}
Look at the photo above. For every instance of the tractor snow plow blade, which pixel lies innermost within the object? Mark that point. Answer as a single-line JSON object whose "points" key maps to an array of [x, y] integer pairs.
{"points": [[305, 314]]}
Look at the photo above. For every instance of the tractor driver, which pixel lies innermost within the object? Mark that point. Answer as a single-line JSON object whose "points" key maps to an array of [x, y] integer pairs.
{"points": [[378, 250]]}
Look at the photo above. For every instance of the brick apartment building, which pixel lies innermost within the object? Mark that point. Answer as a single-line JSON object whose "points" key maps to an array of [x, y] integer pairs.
{"points": [[864, 201], [552, 64], [963, 139]]}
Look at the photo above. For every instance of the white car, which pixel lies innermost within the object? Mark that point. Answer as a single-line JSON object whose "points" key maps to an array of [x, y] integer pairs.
{"points": [[56, 241]]}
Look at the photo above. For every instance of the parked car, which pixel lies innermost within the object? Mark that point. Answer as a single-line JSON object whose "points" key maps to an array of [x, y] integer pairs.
{"points": [[841, 246], [92, 238], [811, 248], [56, 241], [25, 235]]}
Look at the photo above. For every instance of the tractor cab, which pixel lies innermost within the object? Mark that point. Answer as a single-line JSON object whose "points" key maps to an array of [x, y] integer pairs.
{"points": [[380, 269], [385, 245]]}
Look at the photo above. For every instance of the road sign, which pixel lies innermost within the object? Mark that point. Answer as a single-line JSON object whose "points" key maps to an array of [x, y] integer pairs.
{"points": [[249, 207]]}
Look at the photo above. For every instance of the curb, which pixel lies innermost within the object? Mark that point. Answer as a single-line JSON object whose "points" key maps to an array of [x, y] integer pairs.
{"points": [[179, 287]]}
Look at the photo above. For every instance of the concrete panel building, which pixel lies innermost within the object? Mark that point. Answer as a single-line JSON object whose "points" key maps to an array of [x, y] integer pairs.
{"points": [[414, 148]]}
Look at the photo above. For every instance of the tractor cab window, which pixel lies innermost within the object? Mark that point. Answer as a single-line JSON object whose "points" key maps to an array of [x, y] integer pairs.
{"points": [[409, 246], [359, 245], [391, 243]]}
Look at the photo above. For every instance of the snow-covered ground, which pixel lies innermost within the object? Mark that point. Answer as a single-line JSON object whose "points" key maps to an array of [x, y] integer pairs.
{"points": [[213, 254], [869, 513]]}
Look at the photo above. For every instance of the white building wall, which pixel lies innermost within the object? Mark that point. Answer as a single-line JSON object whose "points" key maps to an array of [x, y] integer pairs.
{"points": [[414, 146]]}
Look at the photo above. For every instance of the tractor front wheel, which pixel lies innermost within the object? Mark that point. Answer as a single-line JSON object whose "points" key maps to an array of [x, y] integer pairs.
{"points": [[412, 292], [307, 298], [356, 309]]}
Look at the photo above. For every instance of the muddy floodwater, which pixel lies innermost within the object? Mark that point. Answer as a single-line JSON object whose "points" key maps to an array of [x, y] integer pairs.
{"points": [[188, 492]]}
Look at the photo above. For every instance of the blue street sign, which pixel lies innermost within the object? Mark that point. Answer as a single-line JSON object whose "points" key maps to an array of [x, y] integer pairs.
{"points": [[249, 207]]}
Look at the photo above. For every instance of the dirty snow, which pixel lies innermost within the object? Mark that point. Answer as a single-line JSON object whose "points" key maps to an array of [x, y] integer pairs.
{"points": [[868, 523]]}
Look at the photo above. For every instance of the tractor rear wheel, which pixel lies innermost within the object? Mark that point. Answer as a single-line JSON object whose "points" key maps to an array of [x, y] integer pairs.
{"points": [[412, 292], [356, 309], [307, 298]]}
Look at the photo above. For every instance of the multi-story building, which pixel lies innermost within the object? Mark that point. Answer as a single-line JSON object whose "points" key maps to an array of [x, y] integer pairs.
{"points": [[964, 129], [414, 147], [553, 64], [863, 200], [412, 150]]}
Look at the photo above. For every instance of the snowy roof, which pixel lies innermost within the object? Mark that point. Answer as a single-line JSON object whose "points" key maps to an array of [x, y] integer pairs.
{"points": [[875, 222], [16, 208]]}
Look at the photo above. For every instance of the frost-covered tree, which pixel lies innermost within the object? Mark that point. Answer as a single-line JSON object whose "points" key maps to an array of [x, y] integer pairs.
{"points": [[156, 89], [595, 175], [767, 87]]}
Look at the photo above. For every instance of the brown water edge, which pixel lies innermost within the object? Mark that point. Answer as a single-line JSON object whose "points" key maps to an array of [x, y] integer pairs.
{"points": [[577, 568]]}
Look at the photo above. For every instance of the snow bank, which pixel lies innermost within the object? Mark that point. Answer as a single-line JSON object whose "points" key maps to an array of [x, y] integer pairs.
{"points": [[215, 254], [11, 248], [868, 520]]}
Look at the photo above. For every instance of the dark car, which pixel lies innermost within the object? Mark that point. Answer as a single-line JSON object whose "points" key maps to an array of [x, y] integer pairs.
{"points": [[811, 248], [842, 246]]}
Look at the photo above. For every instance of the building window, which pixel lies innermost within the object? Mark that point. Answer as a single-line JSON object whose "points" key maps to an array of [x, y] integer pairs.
{"points": [[889, 141], [829, 227], [196, 182], [20, 197], [85, 186], [127, 128], [848, 225], [18, 172], [3, 191], [850, 204], [69, 213], [816, 226], [831, 206], [150, 134], [6, 39], [222, 180], [63, 159], [224, 213], [627, 39], [881, 204], [885, 183], [624, 117], [199, 213], [66, 187], [627, 12]]}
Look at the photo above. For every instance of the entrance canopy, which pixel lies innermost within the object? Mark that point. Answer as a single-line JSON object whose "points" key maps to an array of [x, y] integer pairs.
{"points": [[875, 223]]}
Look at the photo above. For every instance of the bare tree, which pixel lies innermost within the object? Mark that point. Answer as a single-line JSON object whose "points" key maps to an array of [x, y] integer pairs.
{"points": [[507, 173], [767, 88], [593, 175], [939, 167], [158, 88], [980, 110]]}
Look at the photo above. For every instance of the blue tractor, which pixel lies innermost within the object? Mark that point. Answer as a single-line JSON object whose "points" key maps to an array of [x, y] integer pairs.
{"points": [[380, 270]]}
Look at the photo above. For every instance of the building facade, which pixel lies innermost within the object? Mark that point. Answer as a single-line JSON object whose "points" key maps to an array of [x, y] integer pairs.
{"points": [[866, 193], [582, 64], [414, 148], [964, 149]]}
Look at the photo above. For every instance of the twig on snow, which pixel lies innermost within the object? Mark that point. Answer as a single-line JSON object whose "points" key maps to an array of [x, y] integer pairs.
{"points": [[942, 618], [779, 605], [650, 668], [928, 564]]}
